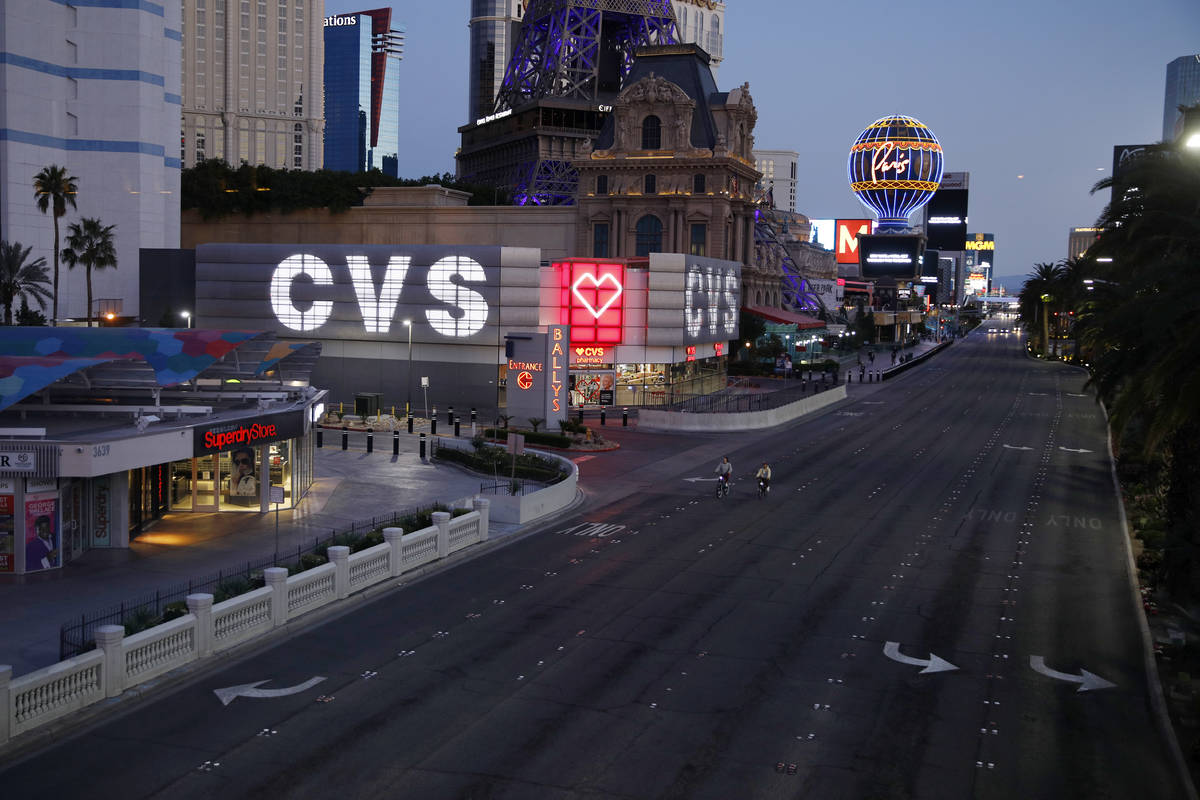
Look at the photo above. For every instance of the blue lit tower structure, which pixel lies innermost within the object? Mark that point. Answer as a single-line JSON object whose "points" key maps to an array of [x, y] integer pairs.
{"points": [[362, 92], [568, 63], [894, 168]]}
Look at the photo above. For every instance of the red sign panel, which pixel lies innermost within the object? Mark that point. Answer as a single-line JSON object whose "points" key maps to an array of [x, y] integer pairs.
{"points": [[591, 356], [592, 300], [847, 239]]}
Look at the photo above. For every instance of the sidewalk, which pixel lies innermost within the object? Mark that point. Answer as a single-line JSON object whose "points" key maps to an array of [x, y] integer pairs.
{"points": [[352, 486]]}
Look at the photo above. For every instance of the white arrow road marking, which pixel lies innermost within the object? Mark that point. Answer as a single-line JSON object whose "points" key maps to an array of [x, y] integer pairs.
{"points": [[1014, 447], [1074, 450], [933, 664], [231, 693], [1085, 679], [1073, 394], [693, 480], [1037, 394]]}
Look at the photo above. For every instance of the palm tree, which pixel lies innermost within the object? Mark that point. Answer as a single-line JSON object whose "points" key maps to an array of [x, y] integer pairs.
{"points": [[21, 279], [1143, 330], [91, 244], [1041, 286], [53, 187]]}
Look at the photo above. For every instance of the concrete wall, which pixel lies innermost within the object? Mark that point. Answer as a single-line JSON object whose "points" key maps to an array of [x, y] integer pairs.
{"points": [[551, 229], [746, 421]]}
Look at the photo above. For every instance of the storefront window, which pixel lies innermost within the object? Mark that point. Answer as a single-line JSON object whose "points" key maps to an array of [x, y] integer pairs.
{"points": [[181, 485], [280, 460]]}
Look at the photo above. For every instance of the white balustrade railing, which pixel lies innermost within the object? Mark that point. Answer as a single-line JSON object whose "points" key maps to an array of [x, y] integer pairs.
{"points": [[310, 589], [160, 649], [464, 531], [121, 662], [242, 617], [52, 692], [419, 548], [370, 566]]}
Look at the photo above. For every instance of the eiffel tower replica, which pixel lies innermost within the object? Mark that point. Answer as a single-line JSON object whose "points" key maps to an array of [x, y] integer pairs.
{"points": [[568, 64]]}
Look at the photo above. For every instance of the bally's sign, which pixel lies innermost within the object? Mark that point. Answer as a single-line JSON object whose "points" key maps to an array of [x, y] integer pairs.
{"points": [[358, 292]]}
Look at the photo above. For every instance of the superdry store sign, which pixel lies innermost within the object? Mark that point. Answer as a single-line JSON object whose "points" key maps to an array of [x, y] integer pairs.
{"points": [[248, 432]]}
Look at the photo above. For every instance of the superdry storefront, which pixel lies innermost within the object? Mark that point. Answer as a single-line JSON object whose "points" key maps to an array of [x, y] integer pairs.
{"points": [[135, 423], [427, 323]]}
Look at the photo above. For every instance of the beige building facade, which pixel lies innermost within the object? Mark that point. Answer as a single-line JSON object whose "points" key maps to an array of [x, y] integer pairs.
{"points": [[253, 82]]}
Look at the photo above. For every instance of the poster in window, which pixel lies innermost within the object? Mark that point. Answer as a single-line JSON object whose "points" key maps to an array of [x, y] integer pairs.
{"points": [[41, 533], [8, 533], [590, 388], [242, 487]]}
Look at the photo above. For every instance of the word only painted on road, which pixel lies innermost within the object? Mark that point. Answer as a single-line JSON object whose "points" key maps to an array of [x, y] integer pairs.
{"points": [[988, 515], [1068, 521], [601, 530]]}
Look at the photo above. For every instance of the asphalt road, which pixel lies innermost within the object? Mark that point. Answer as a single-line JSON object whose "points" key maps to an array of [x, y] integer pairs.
{"points": [[672, 645]]}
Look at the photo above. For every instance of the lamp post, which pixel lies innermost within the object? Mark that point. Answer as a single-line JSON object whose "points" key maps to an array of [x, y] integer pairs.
{"points": [[408, 403], [187, 315]]}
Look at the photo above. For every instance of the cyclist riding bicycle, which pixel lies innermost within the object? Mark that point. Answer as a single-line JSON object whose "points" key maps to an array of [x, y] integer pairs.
{"points": [[724, 470], [764, 476]]}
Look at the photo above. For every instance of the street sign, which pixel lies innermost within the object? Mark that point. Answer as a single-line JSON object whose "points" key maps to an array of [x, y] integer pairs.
{"points": [[276, 494]]}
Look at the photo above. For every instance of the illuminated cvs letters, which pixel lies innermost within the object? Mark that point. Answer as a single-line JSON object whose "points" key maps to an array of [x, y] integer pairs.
{"points": [[464, 313]]}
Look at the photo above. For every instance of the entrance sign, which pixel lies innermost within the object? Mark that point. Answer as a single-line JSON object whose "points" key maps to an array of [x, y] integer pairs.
{"points": [[537, 375]]}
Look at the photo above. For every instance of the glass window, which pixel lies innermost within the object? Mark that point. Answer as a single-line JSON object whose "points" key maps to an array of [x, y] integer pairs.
{"points": [[698, 184], [651, 133], [699, 239], [649, 235], [651, 185], [601, 184], [600, 240]]}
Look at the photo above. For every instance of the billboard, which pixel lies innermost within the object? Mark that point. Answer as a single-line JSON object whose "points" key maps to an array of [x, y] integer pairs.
{"points": [[894, 256], [847, 232], [946, 219], [1122, 154], [824, 232]]}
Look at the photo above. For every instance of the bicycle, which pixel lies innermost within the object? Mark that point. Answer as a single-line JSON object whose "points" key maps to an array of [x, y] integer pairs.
{"points": [[763, 488], [722, 486]]}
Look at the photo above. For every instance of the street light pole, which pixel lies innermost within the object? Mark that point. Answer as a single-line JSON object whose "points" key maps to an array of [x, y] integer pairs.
{"points": [[408, 404], [188, 316]]}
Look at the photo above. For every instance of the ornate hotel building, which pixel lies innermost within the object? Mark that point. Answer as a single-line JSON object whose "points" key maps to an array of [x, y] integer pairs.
{"points": [[253, 82]]}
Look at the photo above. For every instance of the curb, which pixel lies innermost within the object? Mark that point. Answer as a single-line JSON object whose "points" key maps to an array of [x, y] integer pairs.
{"points": [[1158, 702]]}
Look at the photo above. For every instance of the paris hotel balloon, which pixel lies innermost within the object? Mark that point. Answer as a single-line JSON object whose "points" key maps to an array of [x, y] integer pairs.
{"points": [[895, 166]]}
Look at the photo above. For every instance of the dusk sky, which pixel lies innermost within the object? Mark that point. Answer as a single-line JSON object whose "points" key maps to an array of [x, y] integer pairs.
{"points": [[1039, 88]]}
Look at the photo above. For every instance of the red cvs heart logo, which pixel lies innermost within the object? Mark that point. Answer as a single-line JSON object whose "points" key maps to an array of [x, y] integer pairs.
{"points": [[603, 291]]}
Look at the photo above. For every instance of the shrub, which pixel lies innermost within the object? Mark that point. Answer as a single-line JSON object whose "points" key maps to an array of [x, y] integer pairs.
{"points": [[311, 561], [174, 610], [139, 620], [230, 587], [371, 539]]}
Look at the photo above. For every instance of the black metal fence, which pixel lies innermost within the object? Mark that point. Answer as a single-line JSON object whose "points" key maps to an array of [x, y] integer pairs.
{"points": [[514, 488], [137, 613]]}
